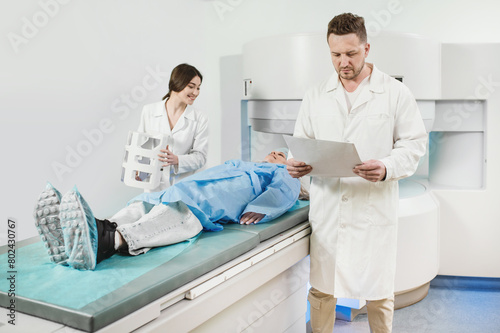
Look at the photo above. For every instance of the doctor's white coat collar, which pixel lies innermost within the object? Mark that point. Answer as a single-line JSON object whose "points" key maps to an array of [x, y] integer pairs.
{"points": [[161, 111], [376, 84]]}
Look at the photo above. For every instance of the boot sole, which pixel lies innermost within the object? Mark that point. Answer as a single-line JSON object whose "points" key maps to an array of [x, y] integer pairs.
{"points": [[76, 233], [48, 224]]}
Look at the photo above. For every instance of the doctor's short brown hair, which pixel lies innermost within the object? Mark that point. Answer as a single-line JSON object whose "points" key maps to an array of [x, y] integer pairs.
{"points": [[348, 23], [180, 77]]}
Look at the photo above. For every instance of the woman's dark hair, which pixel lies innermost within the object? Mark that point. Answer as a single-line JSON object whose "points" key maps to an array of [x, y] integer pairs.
{"points": [[180, 78]]}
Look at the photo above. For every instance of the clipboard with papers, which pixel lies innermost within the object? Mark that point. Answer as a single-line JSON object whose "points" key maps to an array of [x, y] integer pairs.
{"points": [[327, 158]]}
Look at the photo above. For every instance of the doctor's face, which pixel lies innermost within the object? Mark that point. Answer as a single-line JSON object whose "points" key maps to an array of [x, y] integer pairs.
{"points": [[276, 157], [348, 55], [191, 91]]}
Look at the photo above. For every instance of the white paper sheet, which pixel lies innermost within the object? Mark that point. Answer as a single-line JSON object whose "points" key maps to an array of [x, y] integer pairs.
{"points": [[327, 158]]}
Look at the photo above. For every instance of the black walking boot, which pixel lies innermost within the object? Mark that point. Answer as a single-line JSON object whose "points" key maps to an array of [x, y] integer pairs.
{"points": [[106, 239]]}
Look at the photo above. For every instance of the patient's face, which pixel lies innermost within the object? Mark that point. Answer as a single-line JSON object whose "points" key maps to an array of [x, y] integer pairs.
{"points": [[276, 157]]}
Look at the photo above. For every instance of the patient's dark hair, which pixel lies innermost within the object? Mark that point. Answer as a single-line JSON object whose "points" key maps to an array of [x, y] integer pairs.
{"points": [[348, 23], [180, 78]]}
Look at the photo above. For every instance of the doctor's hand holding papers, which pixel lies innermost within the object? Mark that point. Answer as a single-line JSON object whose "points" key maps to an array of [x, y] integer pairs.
{"points": [[330, 159]]}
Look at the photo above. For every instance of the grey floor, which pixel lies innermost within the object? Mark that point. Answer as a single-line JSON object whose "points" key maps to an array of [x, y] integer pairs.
{"points": [[450, 306]]}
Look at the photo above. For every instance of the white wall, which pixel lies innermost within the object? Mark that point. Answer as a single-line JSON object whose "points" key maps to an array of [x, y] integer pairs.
{"points": [[78, 67], [86, 70]]}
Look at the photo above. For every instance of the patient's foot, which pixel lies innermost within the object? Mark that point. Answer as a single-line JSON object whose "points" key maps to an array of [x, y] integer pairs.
{"points": [[79, 230], [120, 243], [106, 245], [46, 214]]}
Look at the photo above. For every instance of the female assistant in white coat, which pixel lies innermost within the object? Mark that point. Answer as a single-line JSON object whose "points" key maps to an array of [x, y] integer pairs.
{"points": [[186, 127]]}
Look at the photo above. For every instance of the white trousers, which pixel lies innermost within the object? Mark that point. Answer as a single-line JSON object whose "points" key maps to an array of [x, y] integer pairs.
{"points": [[144, 226]]}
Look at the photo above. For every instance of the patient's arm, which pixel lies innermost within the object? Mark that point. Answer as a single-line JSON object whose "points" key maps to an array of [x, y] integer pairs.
{"points": [[251, 217], [279, 196]]}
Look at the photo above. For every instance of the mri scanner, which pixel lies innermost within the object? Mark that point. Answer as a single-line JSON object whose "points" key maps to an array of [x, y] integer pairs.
{"points": [[254, 278]]}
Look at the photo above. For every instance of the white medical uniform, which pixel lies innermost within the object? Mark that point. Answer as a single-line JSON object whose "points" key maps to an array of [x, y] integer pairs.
{"points": [[354, 221], [188, 140]]}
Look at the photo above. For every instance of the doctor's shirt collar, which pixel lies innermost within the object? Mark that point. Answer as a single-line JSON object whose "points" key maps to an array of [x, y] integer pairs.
{"points": [[160, 111]]}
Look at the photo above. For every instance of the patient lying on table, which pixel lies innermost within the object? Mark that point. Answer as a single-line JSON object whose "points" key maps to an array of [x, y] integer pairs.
{"points": [[235, 191]]}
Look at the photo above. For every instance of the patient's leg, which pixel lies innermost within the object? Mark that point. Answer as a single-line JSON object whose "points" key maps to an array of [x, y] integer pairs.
{"points": [[162, 225], [132, 213]]}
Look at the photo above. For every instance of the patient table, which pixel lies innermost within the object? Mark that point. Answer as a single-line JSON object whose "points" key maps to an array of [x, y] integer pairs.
{"points": [[250, 278]]}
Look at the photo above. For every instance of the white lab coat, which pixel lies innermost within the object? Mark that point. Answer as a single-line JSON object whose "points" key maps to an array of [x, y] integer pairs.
{"points": [[354, 221], [188, 140]]}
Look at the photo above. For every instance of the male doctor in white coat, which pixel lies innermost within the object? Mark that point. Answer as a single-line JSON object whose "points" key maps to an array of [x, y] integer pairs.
{"points": [[354, 219]]}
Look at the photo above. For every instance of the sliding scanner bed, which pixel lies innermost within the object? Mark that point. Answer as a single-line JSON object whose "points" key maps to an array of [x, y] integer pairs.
{"points": [[91, 300]]}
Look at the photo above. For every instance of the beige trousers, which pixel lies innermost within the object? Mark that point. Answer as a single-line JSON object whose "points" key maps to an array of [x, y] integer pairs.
{"points": [[380, 313]]}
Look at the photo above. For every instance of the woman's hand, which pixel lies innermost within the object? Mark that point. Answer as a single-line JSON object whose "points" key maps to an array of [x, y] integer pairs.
{"points": [[250, 217], [168, 157]]}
